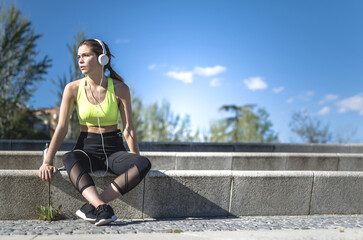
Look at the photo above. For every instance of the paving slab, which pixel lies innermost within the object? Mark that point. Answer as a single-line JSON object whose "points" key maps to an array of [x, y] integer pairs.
{"points": [[263, 227], [203, 161], [350, 162], [337, 192], [22, 202], [187, 193], [259, 161], [271, 193], [312, 161]]}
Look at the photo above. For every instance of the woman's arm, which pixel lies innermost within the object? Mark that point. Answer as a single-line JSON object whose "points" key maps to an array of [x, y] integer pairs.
{"points": [[123, 94], [46, 171]]}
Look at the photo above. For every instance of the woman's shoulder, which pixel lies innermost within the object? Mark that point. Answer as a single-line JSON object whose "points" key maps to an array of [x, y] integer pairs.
{"points": [[73, 86], [120, 87]]}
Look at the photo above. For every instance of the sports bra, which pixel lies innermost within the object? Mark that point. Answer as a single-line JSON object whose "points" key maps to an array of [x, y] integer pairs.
{"points": [[108, 111]]}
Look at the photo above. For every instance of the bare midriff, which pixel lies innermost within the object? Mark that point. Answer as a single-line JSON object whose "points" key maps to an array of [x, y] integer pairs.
{"points": [[96, 129]]}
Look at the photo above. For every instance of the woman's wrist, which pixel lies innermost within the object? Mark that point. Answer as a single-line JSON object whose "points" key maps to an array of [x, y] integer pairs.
{"points": [[47, 163]]}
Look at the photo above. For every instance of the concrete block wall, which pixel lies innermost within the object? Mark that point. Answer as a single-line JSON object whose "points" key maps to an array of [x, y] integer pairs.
{"points": [[67, 145], [213, 161], [21, 193], [271, 193], [194, 193], [337, 193], [171, 194]]}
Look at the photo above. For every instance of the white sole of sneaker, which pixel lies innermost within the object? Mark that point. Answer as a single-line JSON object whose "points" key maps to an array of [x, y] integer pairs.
{"points": [[83, 216], [106, 221]]}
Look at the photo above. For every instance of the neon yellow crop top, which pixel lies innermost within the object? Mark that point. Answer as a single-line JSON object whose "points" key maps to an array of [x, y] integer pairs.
{"points": [[108, 111]]}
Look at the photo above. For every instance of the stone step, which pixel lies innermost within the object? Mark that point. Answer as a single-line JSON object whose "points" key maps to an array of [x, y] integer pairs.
{"points": [[194, 193], [67, 145], [213, 161]]}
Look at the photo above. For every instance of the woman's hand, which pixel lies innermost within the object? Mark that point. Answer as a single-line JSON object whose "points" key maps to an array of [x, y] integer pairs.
{"points": [[46, 172]]}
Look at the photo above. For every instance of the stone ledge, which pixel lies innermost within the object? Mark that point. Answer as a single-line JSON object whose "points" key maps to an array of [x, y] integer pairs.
{"points": [[213, 161], [67, 145]]}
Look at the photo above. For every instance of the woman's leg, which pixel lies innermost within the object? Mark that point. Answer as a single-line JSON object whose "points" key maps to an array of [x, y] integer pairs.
{"points": [[130, 168], [77, 165]]}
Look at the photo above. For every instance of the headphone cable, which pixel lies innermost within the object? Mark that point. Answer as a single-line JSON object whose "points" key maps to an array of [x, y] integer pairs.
{"points": [[98, 119]]}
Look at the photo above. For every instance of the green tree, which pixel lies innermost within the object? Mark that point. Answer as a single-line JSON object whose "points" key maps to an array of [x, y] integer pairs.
{"points": [[346, 135], [74, 74], [22, 126], [246, 125], [20, 71], [158, 123], [308, 128]]}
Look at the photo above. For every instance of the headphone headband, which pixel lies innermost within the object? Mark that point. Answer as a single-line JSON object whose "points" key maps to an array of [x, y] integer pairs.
{"points": [[102, 45], [103, 58]]}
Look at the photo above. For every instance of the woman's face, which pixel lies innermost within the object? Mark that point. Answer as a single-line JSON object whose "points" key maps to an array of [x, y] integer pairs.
{"points": [[87, 60]]}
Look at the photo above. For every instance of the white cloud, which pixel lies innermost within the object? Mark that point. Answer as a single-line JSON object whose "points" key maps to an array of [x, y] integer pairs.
{"points": [[152, 66], [324, 110], [290, 100], [255, 83], [122, 40], [306, 96], [186, 77], [209, 71], [215, 82], [354, 103], [278, 89], [310, 93], [328, 98], [158, 66]]}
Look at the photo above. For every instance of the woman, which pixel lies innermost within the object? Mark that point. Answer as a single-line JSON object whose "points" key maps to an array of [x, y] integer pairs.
{"points": [[99, 100]]}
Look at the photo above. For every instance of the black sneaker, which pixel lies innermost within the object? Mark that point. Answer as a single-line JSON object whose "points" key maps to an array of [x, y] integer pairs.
{"points": [[87, 212], [104, 215]]}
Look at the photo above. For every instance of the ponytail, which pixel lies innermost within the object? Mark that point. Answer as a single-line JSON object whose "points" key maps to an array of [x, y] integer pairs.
{"points": [[114, 75]]}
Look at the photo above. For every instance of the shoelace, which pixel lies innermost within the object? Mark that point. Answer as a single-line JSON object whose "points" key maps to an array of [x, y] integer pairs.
{"points": [[101, 208]]}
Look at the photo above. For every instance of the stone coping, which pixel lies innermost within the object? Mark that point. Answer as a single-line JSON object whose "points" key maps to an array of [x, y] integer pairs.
{"points": [[213, 161], [67, 145]]}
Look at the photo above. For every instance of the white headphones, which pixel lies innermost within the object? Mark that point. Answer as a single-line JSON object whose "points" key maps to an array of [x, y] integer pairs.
{"points": [[103, 58]]}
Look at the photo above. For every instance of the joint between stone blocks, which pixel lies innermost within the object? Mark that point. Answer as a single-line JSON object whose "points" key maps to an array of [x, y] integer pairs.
{"points": [[230, 195], [311, 193]]}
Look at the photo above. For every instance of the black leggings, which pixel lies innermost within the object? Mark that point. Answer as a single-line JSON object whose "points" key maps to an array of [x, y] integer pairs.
{"points": [[88, 156]]}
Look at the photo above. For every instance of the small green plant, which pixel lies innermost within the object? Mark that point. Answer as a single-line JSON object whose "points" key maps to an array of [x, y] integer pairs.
{"points": [[50, 213], [176, 231]]}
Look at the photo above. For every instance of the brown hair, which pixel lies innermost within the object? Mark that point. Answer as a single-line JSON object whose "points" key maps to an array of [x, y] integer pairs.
{"points": [[97, 49]]}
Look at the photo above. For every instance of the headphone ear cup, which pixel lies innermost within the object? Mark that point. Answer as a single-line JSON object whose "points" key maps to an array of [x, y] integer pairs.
{"points": [[103, 59]]}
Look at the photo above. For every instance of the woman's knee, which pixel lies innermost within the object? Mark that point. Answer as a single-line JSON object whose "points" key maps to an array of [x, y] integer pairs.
{"points": [[69, 159], [144, 165]]}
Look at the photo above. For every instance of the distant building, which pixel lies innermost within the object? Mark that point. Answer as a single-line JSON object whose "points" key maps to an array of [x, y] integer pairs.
{"points": [[48, 120]]}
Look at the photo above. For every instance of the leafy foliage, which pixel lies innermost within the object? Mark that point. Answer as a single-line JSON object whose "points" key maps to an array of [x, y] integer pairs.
{"points": [[308, 128], [50, 213], [21, 126], [20, 72], [158, 123], [245, 125]]}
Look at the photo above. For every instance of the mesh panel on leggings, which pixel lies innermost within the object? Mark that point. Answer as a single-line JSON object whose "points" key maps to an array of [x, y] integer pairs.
{"points": [[80, 178], [128, 180]]}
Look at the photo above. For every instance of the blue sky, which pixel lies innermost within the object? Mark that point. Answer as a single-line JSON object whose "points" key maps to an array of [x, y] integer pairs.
{"points": [[283, 55]]}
